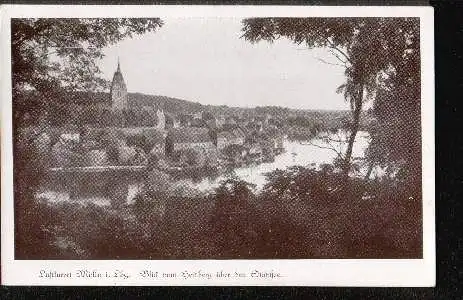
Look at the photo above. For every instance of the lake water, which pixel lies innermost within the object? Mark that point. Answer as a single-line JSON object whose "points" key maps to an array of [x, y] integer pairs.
{"points": [[296, 154], [108, 188]]}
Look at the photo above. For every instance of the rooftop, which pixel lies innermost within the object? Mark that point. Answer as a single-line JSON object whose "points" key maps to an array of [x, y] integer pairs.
{"points": [[189, 135]]}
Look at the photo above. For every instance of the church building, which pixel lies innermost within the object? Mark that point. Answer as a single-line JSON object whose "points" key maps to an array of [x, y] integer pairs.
{"points": [[119, 100], [118, 90]]}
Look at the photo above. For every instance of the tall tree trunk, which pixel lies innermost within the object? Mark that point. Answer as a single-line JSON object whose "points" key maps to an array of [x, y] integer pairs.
{"points": [[370, 169], [353, 133]]}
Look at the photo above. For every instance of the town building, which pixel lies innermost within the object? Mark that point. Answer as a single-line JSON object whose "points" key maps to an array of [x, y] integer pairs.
{"points": [[118, 90], [96, 157], [155, 141], [149, 116], [230, 121], [211, 157], [70, 137], [141, 133], [255, 151], [161, 116], [179, 139], [198, 115], [150, 139], [171, 121], [185, 120], [211, 123], [275, 136], [219, 121], [176, 122], [234, 136]]}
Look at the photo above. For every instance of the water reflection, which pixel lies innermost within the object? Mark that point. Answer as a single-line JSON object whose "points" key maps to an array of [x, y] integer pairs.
{"points": [[104, 189], [296, 154]]}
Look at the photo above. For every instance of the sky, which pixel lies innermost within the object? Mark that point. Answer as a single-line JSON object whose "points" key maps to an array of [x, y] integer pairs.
{"points": [[206, 61]]}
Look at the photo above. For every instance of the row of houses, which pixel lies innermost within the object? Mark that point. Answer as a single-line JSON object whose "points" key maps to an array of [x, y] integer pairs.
{"points": [[234, 142], [136, 146], [166, 120]]}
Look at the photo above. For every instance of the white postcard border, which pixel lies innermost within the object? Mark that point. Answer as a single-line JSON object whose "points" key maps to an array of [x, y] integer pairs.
{"points": [[295, 272]]}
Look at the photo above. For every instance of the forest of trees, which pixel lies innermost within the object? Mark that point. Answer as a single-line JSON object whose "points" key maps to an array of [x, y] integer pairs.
{"points": [[302, 212]]}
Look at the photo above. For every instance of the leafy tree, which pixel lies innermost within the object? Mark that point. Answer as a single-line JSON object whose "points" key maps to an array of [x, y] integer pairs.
{"points": [[232, 216], [110, 141], [149, 118], [233, 150], [118, 119], [137, 140], [391, 224], [299, 121], [365, 47], [396, 136], [52, 55]]}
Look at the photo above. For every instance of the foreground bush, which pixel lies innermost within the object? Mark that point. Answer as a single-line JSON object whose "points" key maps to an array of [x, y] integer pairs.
{"points": [[301, 213]]}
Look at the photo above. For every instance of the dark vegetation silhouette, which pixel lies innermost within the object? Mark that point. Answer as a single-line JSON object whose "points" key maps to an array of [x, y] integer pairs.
{"points": [[301, 212], [380, 58]]}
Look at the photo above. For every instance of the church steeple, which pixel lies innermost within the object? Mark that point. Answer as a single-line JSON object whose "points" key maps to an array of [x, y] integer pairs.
{"points": [[118, 89]]}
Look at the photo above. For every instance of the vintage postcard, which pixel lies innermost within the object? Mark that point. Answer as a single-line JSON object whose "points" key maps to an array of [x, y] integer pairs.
{"points": [[217, 145]]}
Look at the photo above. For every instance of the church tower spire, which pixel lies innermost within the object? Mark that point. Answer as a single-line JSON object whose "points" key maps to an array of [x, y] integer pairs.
{"points": [[118, 89]]}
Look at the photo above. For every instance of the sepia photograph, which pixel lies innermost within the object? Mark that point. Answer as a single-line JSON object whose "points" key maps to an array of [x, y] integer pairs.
{"points": [[217, 138]]}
